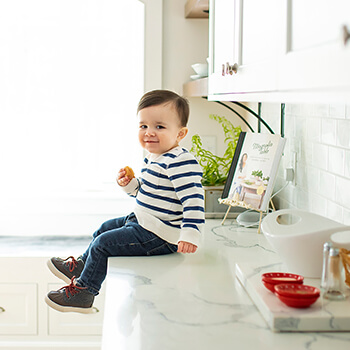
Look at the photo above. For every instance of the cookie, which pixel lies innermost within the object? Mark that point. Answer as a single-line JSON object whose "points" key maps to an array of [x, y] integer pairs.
{"points": [[129, 172]]}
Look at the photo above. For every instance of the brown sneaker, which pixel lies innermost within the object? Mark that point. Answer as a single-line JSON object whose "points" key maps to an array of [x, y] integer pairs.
{"points": [[71, 298], [67, 268]]}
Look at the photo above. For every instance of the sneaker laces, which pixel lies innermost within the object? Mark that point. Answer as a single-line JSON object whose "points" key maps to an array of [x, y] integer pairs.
{"points": [[72, 264], [72, 288]]}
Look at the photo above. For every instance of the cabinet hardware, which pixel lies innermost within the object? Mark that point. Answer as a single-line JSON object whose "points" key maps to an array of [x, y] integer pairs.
{"points": [[346, 34], [2, 309], [228, 69]]}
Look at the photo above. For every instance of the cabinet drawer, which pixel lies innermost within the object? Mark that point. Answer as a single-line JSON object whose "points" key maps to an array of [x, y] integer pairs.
{"points": [[71, 323], [18, 313]]}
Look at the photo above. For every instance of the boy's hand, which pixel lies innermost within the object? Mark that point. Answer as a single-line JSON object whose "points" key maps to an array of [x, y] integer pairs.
{"points": [[122, 179], [186, 247]]}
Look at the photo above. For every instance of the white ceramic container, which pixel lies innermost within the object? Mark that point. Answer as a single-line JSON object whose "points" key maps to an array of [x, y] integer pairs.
{"points": [[341, 239], [201, 69], [298, 237]]}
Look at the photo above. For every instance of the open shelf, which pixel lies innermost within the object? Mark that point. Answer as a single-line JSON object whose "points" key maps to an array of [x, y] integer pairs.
{"points": [[196, 88], [196, 8]]}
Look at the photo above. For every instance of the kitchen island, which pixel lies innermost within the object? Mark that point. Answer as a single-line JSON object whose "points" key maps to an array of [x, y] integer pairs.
{"points": [[195, 301]]}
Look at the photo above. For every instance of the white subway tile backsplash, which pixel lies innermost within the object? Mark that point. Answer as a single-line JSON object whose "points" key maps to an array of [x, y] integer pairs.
{"points": [[319, 156], [337, 111], [313, 129], [314, 182], [318, 204], [320, 134], [304, 152], [321, 110], [334, 211], [347, 164], [300, 129], [328, 131], [327, 185], [343, 133], [346, 219], [342, 191], [293, 109], [336, 160]]}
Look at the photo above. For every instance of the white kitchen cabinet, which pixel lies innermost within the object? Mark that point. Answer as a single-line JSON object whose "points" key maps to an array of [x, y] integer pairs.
{"points": [[27, 322], [315, 56], [222, 45], [18, 308], [283, 50], [244, 37]]}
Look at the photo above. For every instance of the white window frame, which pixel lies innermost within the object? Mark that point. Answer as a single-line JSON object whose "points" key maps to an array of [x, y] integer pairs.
{"points": [[153, 44]]}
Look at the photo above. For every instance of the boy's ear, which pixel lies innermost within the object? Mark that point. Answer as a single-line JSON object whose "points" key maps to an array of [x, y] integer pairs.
{"points": [[182, 133]]}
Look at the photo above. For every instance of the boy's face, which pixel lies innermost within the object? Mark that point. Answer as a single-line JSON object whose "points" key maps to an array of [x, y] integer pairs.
{"points": [[159, 128]]}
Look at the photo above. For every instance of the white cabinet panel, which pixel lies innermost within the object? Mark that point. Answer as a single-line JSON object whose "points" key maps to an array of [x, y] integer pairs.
{"points": [[285, 50], [223, 34], [246, 33], [223, 46], [315, 57], [70, 323], [18, 313], [260, 36]]}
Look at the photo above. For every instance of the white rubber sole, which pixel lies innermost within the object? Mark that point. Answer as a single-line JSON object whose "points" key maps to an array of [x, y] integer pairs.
{"points": [[90, 310], [57, 273]]}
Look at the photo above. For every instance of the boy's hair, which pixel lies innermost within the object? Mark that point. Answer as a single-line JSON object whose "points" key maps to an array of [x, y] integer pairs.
{"points": [[159, 97]]}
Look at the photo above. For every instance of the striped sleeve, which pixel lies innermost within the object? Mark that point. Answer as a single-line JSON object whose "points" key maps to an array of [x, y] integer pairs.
{"points": [[185, 175], [133, 187]]}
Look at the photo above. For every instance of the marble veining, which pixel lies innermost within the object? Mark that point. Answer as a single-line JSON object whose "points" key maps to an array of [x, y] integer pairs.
{"points": [[196, 302], [324, 315], [229, 242]]}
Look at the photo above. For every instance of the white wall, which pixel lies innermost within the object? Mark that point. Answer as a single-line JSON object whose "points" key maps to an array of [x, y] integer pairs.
{"points": [[185, 42]]}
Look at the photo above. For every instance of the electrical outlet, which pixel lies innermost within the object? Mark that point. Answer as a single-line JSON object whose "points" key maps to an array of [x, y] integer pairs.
{"points": [[294, 167], [289, 174]]}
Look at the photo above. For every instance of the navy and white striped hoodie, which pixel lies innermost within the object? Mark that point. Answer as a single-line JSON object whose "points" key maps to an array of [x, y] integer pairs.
{"points": [[169, 196]]}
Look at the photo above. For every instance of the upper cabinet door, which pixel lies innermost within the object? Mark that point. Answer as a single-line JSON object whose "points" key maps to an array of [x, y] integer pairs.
{"points": [[259, 32], [279, 50], [315, 56], [222, 44], [245, 38]]}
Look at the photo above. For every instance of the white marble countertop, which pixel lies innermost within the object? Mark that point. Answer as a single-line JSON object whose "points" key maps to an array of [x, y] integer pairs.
{"points": [[195, 301]]}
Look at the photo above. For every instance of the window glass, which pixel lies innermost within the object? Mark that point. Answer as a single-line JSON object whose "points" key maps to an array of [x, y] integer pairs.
{"points": [[71, 74]]}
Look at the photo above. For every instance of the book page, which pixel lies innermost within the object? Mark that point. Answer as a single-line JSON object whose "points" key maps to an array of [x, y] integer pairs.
{"points": [[256, 170]]}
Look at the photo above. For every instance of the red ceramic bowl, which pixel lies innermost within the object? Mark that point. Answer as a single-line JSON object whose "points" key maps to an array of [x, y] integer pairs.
{"points": [[297, 302], [271, 279], [297, 291], [269, 286]]}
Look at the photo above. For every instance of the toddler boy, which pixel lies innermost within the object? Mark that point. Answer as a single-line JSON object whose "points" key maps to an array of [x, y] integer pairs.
{"points": [[169, 210]]}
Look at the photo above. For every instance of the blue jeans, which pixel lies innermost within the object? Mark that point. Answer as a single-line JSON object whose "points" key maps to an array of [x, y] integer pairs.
{"points": [[118, 237]]}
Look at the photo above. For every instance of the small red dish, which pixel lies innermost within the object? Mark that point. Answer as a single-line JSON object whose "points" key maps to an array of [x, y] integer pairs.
{"points": [[297, 302], [271, 279], [297, 291], [269, 286]]}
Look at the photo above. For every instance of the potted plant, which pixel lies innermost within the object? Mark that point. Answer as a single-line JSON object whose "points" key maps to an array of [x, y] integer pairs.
{"points": [[216, 168]]}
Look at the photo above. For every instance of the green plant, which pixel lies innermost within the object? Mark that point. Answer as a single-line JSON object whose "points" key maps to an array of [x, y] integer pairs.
{"points": [[215, 168], [257, 173]]}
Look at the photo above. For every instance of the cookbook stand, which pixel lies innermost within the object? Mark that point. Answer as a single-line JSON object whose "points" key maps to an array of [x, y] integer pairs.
{"points": [[236, 203]]}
